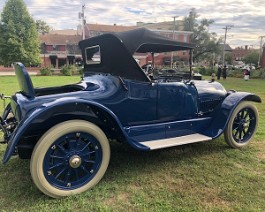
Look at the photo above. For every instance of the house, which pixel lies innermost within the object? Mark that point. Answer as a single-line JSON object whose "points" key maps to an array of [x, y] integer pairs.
{"points": [[240, 52], [59, 49]]}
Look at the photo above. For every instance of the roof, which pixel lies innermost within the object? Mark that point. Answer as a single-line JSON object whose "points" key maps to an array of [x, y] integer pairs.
{"points": [[227, 47], [55, 39], [116, 51], [108, 28], [64, 32]]}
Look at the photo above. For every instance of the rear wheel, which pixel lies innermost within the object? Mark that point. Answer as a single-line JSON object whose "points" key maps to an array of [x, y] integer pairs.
{"points": [[70, 158], [242, 125]]}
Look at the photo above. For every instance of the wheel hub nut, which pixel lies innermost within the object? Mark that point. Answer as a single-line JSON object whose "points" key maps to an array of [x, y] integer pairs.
{"points": [[75, 161]]}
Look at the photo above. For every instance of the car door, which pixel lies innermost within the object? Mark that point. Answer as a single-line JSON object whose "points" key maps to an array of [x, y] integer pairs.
{"points": [[176, 104]]}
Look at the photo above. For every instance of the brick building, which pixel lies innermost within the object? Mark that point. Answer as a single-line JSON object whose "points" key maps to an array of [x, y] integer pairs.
{"points": [[59, 49], [240, 52]]}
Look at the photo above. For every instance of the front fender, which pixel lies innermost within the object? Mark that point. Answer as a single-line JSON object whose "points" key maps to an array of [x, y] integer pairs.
{"points": [[44, 111], [223, 113]]}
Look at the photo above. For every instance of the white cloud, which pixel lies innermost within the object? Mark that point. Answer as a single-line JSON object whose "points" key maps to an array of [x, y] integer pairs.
{"points": [[247, 16]]}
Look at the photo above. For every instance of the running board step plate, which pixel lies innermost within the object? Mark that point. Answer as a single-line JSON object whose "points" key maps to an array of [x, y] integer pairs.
{"points": [[177, 141]]}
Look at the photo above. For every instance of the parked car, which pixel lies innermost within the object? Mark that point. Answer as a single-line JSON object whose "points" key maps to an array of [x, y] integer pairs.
{"points": [[65, 131]]}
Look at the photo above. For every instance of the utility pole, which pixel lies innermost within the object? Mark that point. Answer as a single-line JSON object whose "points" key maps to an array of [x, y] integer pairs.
{"points": [[260, 49], [227, 27], [82, 17], [173, 36]]}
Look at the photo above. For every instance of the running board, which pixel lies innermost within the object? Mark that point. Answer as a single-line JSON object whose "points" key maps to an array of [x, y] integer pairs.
{"points": [[177, 141]]}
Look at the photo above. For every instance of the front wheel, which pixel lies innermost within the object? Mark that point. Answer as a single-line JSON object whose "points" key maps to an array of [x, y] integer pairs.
{"points": [[70, 158], [242, 125]]}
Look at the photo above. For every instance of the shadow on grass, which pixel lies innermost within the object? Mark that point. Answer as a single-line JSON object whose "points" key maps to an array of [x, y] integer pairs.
{"points": [[126, 163]]}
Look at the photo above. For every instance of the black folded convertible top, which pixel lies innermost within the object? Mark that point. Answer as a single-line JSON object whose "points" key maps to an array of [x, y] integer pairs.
{"points": [[116, 50], [143, 40]]}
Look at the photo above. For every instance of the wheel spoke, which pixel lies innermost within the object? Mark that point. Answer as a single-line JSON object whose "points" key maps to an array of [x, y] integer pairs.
{"points": [[56, 166], [85, 169], [76, 174], [89, 161], [85, 146], [72, 145], [247, 114], [56, 157], [67, 176], [240, 135], [89, 153], [58, 175], [62, 149]]}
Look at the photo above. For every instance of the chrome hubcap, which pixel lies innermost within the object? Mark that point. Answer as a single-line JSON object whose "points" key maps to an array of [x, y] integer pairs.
{"points": [[75, 161]]}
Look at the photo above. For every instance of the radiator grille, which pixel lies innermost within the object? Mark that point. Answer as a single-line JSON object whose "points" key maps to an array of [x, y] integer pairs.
{"points": [[206, 106]]}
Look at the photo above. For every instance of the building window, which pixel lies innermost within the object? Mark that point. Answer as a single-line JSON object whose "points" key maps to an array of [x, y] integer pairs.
{"points": [[55, 47]]}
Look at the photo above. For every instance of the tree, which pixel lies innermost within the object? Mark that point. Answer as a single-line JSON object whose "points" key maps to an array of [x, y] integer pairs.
{"points": [[42, 27], [206, 42], [18, 35], [252, 58]]}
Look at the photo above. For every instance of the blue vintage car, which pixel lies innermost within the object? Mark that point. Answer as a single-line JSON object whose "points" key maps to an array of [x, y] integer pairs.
{"points": [[65, 131]]}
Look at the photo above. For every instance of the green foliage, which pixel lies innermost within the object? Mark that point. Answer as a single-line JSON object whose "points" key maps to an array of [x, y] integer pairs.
{"points": [[19, 38], [238, 73], [46, 71], [42, 27], [229, 58], [254, 74], [258, 73], [69, 70], [205, 71], [206, 43], [252, 58]]}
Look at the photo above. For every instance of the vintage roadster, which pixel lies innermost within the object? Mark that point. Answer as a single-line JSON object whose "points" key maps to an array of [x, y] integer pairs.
{"points": [[65, 131]]}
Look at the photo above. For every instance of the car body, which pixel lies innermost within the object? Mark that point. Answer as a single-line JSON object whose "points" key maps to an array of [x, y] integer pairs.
{"points": [[66, 130]]}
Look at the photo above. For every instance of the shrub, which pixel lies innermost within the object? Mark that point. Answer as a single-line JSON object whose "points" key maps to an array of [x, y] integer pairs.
{"points": [[204, 71], [259, 73], [238, 73], [68, 70], [46, 71]]}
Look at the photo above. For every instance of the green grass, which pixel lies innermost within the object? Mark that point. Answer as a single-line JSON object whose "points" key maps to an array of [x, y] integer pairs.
{"points": [[207, 176]]}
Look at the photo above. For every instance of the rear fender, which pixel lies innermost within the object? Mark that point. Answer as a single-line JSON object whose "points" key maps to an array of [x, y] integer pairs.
{"points": [[223, 113], [66, 107]]}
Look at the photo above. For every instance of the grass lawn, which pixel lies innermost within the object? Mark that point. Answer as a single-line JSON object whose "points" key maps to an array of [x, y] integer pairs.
{"points": [[206, 176]]}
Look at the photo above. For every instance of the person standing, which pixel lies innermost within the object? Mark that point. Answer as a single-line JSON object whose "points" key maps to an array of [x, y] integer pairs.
{"points": [[224, 72], [219, 71], [246, 73]]}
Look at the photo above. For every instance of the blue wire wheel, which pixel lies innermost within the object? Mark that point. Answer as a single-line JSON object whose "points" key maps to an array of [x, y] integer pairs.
{"points": [[70, 158], [242, 125]]}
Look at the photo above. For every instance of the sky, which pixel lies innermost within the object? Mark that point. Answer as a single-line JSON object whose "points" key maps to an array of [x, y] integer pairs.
{"points": [[246, 16]]}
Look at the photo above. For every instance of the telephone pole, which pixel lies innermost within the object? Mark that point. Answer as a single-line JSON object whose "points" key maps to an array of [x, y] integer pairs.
{"points": [[227, 27], [173, 37], [82, 17], [260, 49]]}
